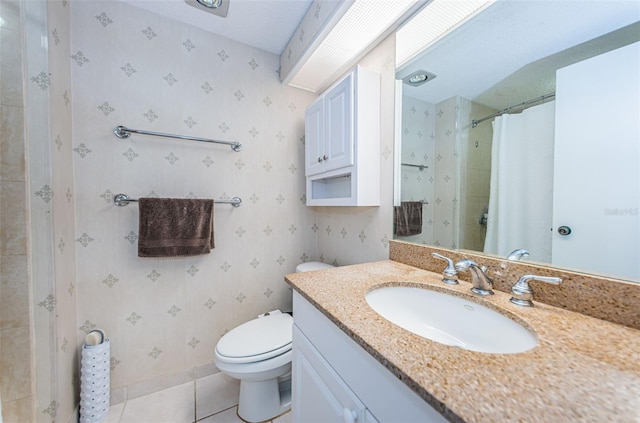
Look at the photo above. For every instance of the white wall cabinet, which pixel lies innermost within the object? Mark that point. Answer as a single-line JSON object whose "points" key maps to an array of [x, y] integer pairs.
{"points": [[342, 138], [335, 380]]}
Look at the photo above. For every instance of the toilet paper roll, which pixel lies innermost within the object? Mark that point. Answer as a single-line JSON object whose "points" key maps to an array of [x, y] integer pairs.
{"points": [[95, 337]]}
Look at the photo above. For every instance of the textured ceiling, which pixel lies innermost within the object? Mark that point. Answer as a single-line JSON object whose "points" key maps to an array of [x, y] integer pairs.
{"points": [[265, 24], [487, 59]]}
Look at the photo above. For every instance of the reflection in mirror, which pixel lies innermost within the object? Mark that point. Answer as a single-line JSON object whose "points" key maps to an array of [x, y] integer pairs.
{"points": [[552, 162]]}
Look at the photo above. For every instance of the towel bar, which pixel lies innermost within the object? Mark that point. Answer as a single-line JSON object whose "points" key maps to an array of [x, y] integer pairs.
{"points": [[420, 167], [421, 201], [123, 199], [124, 132]]}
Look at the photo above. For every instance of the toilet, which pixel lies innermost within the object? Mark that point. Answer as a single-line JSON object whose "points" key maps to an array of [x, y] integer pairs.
{"points": [[258, 353]]}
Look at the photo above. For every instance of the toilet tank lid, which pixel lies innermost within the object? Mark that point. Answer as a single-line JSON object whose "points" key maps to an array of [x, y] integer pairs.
{"points": [[312, 265]]}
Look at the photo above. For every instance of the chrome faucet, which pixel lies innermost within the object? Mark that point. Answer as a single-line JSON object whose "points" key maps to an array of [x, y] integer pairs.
{"points": [[518, 254], [522, 292], [449, 274], [482, 284]]}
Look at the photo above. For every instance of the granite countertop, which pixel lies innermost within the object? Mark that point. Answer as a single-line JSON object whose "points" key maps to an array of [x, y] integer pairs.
{"points": [[583, 369]]}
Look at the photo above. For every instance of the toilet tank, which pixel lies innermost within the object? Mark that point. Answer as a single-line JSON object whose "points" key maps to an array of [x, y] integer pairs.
{"points": [[312, 265]]}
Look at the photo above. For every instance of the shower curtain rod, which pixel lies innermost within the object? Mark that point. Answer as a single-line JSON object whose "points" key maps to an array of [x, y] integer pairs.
{"points": [[523, 105]]}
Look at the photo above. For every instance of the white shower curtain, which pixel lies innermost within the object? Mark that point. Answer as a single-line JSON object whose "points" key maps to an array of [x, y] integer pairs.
{"points": [[521, 195]]}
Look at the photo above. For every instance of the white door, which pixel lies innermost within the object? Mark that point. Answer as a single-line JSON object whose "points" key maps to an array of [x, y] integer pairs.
{"points": [[597, 164], [339, 121], [314, 137]]}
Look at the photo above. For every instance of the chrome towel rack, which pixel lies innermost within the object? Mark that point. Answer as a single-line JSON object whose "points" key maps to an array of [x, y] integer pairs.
{"points": [[124, 132], [421, 167], [123, 200], [424, 202]]}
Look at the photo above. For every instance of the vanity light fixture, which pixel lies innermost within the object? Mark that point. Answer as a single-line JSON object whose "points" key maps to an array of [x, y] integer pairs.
{"points": [[434, 21], [356, 27], [417, 78], [217, 7]]}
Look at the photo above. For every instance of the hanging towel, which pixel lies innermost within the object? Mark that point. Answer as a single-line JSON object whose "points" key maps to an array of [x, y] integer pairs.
{"points": [[175, 227], [407, 218]]}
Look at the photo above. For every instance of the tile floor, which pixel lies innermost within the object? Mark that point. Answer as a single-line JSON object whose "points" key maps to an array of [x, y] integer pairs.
{"points": [[173, 405]]}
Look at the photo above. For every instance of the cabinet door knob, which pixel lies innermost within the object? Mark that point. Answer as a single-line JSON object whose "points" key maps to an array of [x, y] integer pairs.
{"points": [[349, 415], [324, 157], [319, 159]]}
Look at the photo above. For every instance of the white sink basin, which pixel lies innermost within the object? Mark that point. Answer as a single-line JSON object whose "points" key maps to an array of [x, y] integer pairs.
{"points": [[450, 320]]}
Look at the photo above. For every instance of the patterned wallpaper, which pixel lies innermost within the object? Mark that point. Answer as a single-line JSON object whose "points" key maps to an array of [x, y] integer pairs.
{"points": [[64, 253], [133, 68], [418, 146], [445, 167]]}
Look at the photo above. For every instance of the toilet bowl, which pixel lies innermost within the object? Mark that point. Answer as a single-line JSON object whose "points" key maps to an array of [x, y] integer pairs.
{"points": [[258, 353]]}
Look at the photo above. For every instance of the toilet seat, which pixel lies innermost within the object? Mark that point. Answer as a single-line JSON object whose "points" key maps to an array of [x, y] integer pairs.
{"points": [[256, 340]]}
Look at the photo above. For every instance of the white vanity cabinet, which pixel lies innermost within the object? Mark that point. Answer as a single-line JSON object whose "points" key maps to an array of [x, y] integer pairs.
{"points": [[336, 380], [342, 143]]}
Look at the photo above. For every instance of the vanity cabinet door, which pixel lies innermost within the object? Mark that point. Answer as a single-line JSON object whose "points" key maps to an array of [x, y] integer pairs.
{"points": [[332, 373], [319, 395]]}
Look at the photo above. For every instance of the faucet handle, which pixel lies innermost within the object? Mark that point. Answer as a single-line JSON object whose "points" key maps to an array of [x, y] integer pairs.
{"points": [[449, 274], [523, 294], [517, 254]]}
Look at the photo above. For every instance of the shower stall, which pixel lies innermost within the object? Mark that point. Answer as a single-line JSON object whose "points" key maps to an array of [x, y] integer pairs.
{"points": [[456, 169]]}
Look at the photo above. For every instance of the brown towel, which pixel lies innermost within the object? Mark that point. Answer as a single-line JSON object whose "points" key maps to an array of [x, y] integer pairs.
{"points": [[407, 219], [175, 227]]}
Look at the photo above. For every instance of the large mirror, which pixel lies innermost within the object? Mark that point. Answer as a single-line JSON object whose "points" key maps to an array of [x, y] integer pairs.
{"points": [[514, 140]]}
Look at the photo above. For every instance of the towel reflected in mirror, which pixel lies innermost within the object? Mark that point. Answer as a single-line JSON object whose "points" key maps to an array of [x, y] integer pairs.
{"points": [[407, 218]]}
